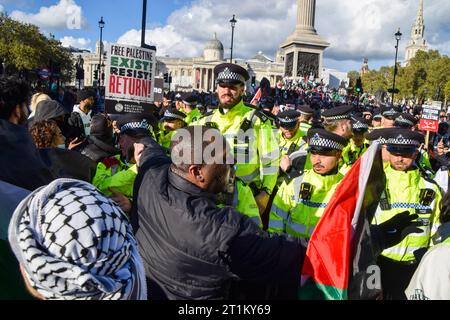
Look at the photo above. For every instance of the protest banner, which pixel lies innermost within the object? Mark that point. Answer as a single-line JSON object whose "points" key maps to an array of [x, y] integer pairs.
{"points": [[430, 120], [130, 73]]}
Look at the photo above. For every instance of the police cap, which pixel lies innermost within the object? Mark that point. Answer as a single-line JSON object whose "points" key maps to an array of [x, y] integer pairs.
{"points": [[288, 119], [190, 99], [390, 111], [305, 110], [173, 114], [229, 73], [381, 135], [359, 125], [404, 141], [405, 120], [134, 123], [321, 140], [338, 113]]}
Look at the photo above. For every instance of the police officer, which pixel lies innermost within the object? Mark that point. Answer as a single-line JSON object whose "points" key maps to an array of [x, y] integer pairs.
{"points": [[408, 121], [306, 115], [170, 122], [405, 120], [338, 120], [406, 189], [358, 143], [290, 135], [190, 108], [248, 131], [388, 114], [376, 119], [115, 175], [299, 204]]}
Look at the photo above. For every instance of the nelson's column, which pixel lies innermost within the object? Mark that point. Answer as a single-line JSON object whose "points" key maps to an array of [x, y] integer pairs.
{"points": [[303, 50]]}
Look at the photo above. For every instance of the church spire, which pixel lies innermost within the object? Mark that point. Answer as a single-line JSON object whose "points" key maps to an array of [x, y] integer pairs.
{"points": [[418, 28], [417, 42]]}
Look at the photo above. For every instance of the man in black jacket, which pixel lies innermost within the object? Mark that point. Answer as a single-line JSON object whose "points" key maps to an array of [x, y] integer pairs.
{"points": [[20, 162], [191, 248]]}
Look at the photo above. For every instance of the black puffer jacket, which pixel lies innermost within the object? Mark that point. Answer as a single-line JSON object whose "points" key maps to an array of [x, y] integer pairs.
{"points": [[97, 149], [69, 164], [191, 249], [20, 161]]}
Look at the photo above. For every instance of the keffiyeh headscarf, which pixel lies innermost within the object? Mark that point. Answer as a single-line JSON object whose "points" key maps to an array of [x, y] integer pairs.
{"points": [[75, 243]]}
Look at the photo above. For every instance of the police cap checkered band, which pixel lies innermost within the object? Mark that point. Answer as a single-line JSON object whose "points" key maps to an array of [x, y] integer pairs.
{"points": [[389, 111], [401, 140], [381, 135], [359, 124], [143, 125], [232, 73], [327, 140], [338, 113], [172, 115], [400, 119], [305, 110]]}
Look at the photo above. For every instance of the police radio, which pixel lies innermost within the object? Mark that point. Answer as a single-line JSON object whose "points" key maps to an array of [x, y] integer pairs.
{"points": [[306, 190]]}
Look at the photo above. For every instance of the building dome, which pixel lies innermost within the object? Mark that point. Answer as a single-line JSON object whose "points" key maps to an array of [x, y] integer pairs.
{"points": [[213, 50]]}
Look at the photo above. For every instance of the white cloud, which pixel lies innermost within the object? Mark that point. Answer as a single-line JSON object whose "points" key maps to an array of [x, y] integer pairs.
{"points": [[355, 28], [66, 14], [80, 43], [2, 8]]}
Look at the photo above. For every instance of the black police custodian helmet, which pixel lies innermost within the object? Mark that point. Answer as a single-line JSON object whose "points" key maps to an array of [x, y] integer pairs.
{"points": [[229, 73]]}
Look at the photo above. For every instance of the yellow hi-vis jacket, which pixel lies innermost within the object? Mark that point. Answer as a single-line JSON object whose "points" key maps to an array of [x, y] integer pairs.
{"points": [[251, 138], [297, 212], [113, 173], [405, 192]]}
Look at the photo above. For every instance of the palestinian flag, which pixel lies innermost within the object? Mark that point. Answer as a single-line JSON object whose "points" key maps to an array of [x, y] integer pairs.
{"points": [[340, 251]]}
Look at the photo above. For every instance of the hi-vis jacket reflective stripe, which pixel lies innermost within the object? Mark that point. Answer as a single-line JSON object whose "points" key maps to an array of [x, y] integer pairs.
{"points": [[113, 173], [403, 194], [257, 155], [296, 216]]}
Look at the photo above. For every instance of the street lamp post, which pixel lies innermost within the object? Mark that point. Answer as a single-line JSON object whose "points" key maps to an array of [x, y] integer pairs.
{"points": [[233, 24], [101, 25], [398, 36]]}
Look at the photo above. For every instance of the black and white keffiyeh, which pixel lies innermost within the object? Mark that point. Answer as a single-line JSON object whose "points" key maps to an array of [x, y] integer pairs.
{"points": [[75, 243]]}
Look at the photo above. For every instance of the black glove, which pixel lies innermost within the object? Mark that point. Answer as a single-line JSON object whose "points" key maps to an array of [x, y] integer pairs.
{"points": [[393, 231]]}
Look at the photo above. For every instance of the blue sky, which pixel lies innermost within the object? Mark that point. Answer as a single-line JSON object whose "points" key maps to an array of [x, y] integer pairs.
{"points": [[119, 15], [179, 28]]}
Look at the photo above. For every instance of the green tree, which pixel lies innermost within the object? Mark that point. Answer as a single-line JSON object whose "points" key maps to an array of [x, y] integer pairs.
{"points": [[353, 76], [447, 93], [24, 48]]}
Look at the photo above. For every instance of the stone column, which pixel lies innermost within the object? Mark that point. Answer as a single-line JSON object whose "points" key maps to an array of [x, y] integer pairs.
{"points": [[306, 10]]}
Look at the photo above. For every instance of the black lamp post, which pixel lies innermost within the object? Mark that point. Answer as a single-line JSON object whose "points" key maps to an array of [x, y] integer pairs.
{"points": [[101, 25], [398, 36], [233, 24]]}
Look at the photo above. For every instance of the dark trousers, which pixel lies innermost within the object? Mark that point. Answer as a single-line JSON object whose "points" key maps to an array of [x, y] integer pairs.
{"points": [[395, 277]]}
